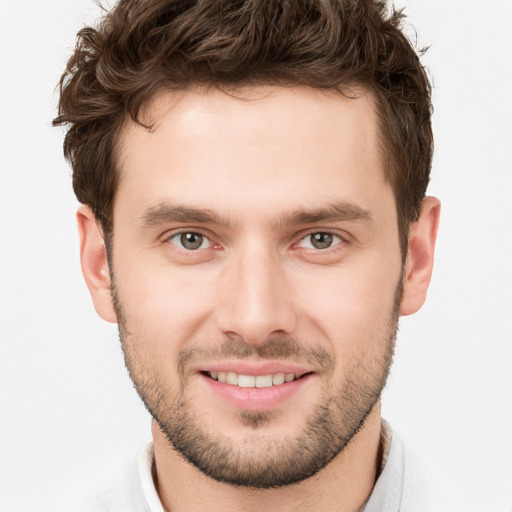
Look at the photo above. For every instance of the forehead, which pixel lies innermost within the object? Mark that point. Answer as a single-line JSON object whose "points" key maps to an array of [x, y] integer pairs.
{"points": [[259, 147]]}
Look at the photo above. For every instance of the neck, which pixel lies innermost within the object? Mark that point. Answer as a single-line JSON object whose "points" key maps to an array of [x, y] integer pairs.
{"points": [[344, 484]]}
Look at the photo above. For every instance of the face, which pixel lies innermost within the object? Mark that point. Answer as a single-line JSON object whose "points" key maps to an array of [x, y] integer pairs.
{"points": [[256, 276]]}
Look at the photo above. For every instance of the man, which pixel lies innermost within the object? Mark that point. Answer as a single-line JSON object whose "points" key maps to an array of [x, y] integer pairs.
{"points": [[253, 179]]}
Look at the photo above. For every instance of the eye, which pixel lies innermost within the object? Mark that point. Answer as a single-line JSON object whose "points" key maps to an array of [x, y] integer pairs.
{"points": [[320, 240], [190, 241]]}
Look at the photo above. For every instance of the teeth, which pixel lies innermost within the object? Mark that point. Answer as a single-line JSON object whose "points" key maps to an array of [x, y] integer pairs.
{"points": [[264, 381], [251, 381], [232, 378], [246, 381], [277, 379]]}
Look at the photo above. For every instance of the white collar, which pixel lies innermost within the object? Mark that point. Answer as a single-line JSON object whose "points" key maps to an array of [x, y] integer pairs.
{"points": [[146, 469]]}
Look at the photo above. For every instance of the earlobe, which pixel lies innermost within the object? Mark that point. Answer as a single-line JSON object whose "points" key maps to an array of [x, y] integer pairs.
{"points": [[420, 257], [93, 258]]}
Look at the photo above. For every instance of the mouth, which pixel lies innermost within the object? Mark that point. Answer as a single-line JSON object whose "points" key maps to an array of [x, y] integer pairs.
{"points": [[257, 388], [254, 381]]}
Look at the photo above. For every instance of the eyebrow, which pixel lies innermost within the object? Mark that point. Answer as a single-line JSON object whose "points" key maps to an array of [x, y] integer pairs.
{"points": [[336, 212], [167, 212]]}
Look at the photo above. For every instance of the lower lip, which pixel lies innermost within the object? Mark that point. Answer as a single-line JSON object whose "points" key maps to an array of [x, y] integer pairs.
{"points": [[256, 399]]}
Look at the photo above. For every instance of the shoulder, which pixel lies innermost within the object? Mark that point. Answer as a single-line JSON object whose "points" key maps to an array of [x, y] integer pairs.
{"points": [[427, 487], [410, 482], [117, 489]]}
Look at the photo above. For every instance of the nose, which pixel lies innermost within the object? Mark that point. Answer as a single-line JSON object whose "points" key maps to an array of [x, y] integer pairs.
{"points": [[255, 302]]}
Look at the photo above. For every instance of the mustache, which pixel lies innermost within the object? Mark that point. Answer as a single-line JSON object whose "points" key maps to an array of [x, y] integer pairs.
{"points": [[276, 348]]}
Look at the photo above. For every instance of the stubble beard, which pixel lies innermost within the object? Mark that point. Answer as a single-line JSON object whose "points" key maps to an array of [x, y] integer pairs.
{"points": [[263, 463]]}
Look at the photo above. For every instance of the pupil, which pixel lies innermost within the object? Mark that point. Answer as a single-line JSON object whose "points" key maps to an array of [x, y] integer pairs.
{"points": [[191, 240], [321, 240]]}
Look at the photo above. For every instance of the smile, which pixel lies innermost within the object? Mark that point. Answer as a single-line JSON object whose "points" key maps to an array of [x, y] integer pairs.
{"points": [[256, 387], [253, 381]]}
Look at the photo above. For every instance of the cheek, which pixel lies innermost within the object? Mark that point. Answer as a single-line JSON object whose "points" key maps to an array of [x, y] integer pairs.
{"points": [[164, 304], [352, 307]]}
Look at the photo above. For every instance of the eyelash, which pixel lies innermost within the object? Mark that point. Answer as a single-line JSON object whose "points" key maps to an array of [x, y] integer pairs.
{"points": [[169, 237], [342, 240]]}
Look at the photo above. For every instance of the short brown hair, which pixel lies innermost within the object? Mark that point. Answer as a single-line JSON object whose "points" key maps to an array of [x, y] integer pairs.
{"points": [[143, 46]]}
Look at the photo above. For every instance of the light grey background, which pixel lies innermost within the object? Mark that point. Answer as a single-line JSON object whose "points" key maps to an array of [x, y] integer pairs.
{"points": [[67, 406]]}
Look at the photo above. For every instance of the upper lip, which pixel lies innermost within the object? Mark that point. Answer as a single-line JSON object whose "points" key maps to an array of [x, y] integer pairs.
{"points": [[255, 368]]}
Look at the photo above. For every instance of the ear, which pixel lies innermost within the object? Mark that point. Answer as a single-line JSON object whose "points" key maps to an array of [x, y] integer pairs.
{"points": [[93, 257], [420, 256]]}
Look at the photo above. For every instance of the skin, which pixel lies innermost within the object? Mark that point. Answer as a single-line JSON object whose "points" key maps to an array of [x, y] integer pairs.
{"points": [[259, 165]]}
